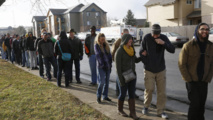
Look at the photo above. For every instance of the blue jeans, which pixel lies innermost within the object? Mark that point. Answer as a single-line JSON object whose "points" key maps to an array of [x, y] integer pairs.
{"points": [[23, 58], [9, 55], [27, 59], [77, 69], [47, 62], [92, 63], [3, 53], [12, 56], [103, 79], [130, 86], [63, 65]]}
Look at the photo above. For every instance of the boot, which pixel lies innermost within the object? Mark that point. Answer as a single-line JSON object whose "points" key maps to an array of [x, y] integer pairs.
{"points": [[120, 108], [132, 109]]}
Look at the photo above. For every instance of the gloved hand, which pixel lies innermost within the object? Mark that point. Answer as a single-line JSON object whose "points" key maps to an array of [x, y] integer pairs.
{"points": [[81, 57]]}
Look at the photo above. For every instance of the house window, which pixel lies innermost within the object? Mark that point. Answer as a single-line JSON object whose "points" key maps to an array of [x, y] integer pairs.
{"points": [[88, 22], [197, 4], [190, 22], [97, 14], [189, 2], [88, 13], [98, 22]]}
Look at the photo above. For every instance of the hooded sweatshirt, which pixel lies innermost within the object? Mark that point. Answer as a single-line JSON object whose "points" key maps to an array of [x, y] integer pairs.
{"points": [[202, 46], [123, 61], [154, 61]]}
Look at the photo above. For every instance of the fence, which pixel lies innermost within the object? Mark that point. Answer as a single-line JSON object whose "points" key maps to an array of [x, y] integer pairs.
{"points": [[187, 31]]}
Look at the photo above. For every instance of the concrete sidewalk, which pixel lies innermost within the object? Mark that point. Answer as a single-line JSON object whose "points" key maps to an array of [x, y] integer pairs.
{"points": [[87, 94]]}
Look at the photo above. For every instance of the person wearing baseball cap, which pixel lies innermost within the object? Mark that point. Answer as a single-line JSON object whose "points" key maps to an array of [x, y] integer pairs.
{"points": [[89, 50], [152, 55]]}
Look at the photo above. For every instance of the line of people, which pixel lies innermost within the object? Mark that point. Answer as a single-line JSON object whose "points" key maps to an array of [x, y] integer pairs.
{"points": [[195, 64]]}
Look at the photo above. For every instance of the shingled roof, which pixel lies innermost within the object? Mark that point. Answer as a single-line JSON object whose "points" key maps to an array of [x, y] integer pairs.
{"points": [[57, 11], [39, 18], [159, 2], [76, 8]]}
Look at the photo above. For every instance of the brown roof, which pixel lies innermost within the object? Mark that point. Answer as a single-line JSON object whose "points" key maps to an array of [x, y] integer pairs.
{"points": [[194, 14]]}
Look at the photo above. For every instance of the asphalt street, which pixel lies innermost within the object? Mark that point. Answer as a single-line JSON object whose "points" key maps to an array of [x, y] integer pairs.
{"points": [[175, 85]]}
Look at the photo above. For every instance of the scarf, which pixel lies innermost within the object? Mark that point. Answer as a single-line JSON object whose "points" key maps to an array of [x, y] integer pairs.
{"points": [[129, 51]]}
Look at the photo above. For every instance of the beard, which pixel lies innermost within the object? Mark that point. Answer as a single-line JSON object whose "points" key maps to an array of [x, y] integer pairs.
{"points": [[203, 38]]}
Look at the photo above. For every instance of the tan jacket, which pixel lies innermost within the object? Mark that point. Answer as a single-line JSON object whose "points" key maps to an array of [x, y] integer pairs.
{"points": [[115, 46], [189, 58]]}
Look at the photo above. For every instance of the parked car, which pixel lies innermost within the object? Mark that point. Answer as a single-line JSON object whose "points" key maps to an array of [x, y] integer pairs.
{"points": [[82, 36], [211, 35], [176, 39]]}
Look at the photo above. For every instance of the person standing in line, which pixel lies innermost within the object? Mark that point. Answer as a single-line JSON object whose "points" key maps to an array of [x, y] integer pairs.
{"points": [[27, 56], [152, 55], [30, 47], [40, 59], [115, 46], [46, 49], [196, 67], [89, 50], [12, 50], [141, 35], [17, 50], [125, 60], [3, 52], [7, 43], [66, 47], [22, 51], [104, 59], [76, 56]]}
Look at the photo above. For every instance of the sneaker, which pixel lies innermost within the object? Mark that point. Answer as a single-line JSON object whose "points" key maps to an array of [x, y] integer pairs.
{"points": [[145, 111], [163, 115], [36, 68], [107, 99], [92, 84], [48, 79], [99, 100]]}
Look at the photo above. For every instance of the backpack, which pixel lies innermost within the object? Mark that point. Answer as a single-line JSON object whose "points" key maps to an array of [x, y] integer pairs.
{"points": [[4, 46]]}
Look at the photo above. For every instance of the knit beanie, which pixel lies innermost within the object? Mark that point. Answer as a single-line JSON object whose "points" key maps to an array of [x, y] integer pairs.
{"points": [[156, 29]]}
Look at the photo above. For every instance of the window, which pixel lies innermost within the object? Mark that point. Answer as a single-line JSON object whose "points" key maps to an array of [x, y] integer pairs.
{"points": [[88, 22], [97, 14], [188, 1], [190, 22], [88, 13], [197, 4], [98, 22]]}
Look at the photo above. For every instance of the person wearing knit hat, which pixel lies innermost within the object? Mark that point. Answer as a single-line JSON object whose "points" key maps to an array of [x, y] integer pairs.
{"points": [[125, 60], [196, 67], [152, 55]]}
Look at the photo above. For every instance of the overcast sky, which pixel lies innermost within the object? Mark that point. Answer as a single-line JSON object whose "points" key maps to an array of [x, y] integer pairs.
{"points": [[20, 12]]}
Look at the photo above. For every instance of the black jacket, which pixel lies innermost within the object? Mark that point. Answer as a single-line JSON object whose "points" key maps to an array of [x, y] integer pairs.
{"points": [[154, 60], [45, 48], [87, 45], [66, 47], [22, 44], [77, 48], [7, 43], [30, 43], [16, 47]]}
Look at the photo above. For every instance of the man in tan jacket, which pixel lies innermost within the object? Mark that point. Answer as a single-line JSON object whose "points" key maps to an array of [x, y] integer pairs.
{"points": [[196, 66]]}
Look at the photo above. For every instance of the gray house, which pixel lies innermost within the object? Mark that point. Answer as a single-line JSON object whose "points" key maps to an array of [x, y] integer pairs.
{"points": [[80, 17]]}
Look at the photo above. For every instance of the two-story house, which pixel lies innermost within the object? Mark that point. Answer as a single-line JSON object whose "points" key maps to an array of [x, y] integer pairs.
{"points": [[80, 17], [173, 12], [207, 11]]}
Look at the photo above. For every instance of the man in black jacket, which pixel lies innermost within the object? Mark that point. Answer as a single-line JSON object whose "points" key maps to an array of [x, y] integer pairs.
{"points": [[22, 50], [7, 43], [30, 47], [17, 50], [76, 56], [152, 55], [46, 49]]}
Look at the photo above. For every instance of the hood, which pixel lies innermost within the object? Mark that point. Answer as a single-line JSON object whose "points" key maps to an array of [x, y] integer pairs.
{"points": [[196, 31], [125, 38]]}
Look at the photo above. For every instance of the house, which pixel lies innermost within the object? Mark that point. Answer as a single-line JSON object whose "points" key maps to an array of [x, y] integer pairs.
{"points": [[80, 17], [38, 24], [173, 12], [207, 11]]}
